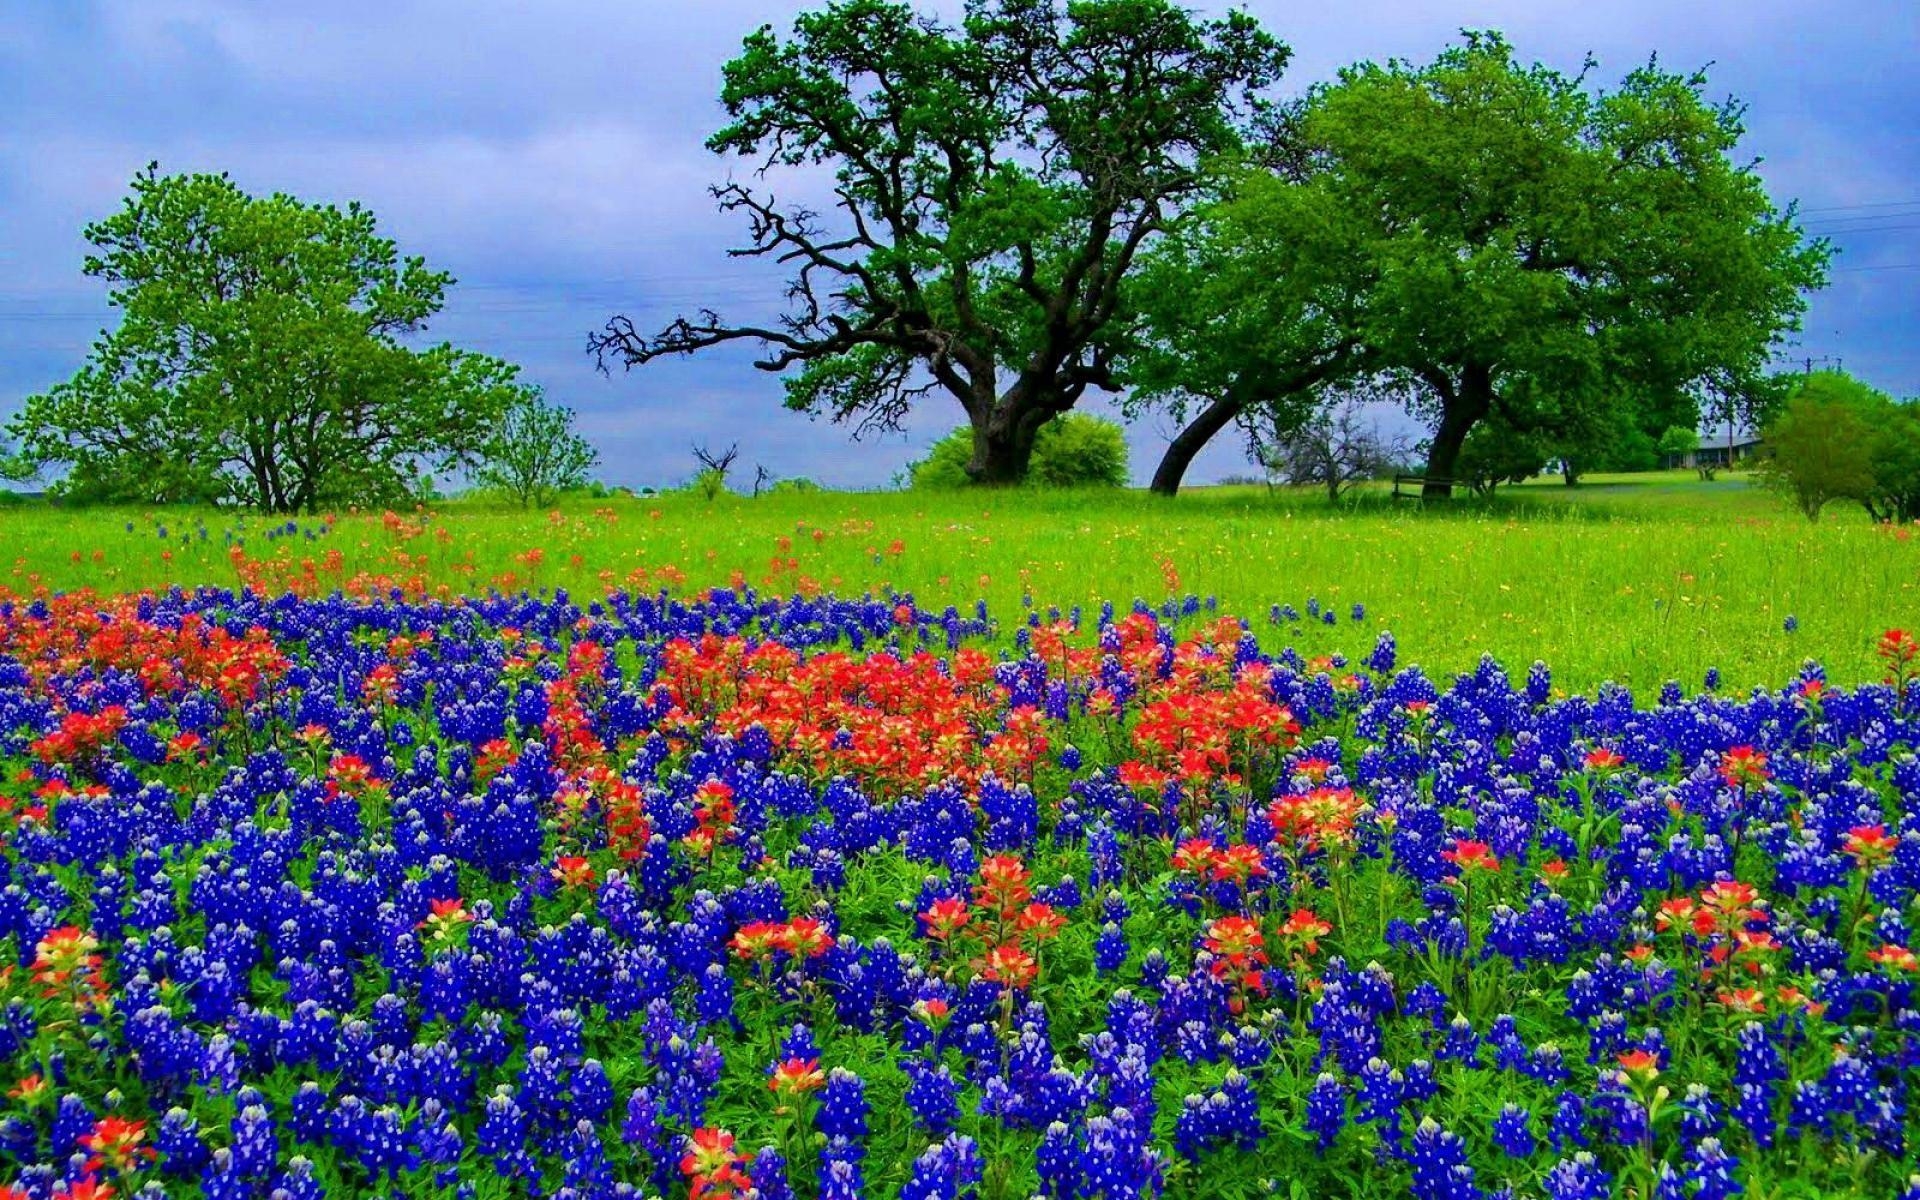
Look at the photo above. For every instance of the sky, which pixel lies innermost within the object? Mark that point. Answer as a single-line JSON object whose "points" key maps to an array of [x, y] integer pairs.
{"points": [[551, 157]]}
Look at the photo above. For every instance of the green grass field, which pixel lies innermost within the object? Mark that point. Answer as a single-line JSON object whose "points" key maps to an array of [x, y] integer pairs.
{"points": [[1637, 579]]}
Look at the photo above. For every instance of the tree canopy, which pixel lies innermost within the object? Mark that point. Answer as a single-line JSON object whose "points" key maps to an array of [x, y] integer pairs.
{"points": [[1838, 438], [533, 453], [1507, 240], [260, 359], [994, 184]]}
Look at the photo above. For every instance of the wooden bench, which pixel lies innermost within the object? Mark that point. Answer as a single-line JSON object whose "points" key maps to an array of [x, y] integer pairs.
{"points": [[1413, 487]]}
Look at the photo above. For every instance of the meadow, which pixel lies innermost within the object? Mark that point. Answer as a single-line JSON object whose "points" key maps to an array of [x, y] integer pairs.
{"points": [[1632, 579], [798, 849]]}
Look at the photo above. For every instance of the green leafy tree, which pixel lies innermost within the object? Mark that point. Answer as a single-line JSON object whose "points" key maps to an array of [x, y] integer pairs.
{"points": [[1676, 442], [994, 184], [1840, 438], [260, 359], [1249, 312], [1819, 449], [1493, 455], [1529, 249], [1076, 450], [1895, 454], [533, 454]]}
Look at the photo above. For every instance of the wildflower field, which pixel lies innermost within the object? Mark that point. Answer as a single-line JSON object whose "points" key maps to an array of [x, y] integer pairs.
{"points": [[1635, 580], [831, 846]]}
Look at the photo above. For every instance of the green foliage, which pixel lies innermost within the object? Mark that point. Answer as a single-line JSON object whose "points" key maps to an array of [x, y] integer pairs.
{"points": [[799, 485], [995, 182], [1678, 441], [1895, 453], [1076, 450], [1495, 454], [945, 465], [533, 454], [1838, 438], [710, 484], [1524, 247], [1820, 448], [259, 359]]}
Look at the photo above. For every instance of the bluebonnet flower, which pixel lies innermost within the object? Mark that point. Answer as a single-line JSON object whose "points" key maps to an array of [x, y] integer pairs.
{"points": [[932, 1095], [1326, 1109], [1577, 1178], [1438, 1160], [1513, 1132]]}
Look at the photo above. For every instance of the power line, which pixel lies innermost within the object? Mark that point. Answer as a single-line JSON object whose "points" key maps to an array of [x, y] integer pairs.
{"points": [[1857, 207]]}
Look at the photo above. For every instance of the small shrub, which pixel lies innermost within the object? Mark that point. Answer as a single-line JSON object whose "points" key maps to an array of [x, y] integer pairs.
{"points": [[1076, 450]]}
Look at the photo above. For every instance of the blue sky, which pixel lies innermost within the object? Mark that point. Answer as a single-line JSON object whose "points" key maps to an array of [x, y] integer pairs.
{"points": [[550, 156]]}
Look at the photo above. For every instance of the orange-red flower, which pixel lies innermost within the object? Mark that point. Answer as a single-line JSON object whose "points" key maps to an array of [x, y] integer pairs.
{"points": [[117, 1143], [712, 1165], [1238, 948], [1898, 957], [1901, 652], [444, 917], [1603, 758], [1744, 766], [1471, 856], [1010, 966], [1305, 928], [756, 939], [1870, 845], [1003, 885], [1195, 855], [945, 917], [1640, 1064], [1742, 1000], [1239, 864], [573, 871], [1041, 921], [805, 937], [797, 1076]]}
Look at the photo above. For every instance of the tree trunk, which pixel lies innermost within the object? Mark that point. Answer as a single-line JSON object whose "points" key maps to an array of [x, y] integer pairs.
{"points": [[1443, 457], [1003, 446], [1189, 441], [1461, 409]]}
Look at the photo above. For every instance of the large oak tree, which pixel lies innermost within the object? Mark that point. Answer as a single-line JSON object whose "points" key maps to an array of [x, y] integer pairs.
{"points": [[993, 185], [1526, 248], [260, 359]]}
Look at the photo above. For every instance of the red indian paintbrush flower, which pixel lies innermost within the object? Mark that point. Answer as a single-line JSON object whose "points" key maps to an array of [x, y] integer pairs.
{"points": [[797, 1076], [573, 871], [1010, 966], [1306, 929], [945, 917], [1640, 1064], [1744, 766], [711, 1165], [1898, 957], [1603, 758], [1003, 885], [1471, 856], [117, 1143], [1870, 845]]}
